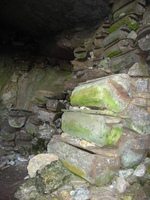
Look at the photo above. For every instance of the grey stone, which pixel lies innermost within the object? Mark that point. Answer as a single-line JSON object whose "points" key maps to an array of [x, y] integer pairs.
{"points": [[38, 162], [80, 53], [81, 65], [16, 122], [54, 105], [80, 193], [31, 128], [45, 115], [45, 131], [140, 119], [133, 148], [97, 170], [132, 35], [144, 43], [120, 33], [140, 170], [136, 7], [129, 20], [101, 93], [138, 70], [121, 184], [90, 127], [119, 47], [125, 61], [126, 173], [52, 177]]}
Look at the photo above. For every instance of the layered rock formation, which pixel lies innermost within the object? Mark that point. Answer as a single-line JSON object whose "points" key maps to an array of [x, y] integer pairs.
{"points": [[106, 128]]}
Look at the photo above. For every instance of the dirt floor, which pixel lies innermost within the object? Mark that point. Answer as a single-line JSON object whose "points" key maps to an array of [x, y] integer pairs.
{"points": [[10, 179]]}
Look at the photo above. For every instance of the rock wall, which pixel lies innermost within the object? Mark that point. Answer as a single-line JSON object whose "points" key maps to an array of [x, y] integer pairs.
{"points": [[109, 113], [106, 129], [31, 98]]}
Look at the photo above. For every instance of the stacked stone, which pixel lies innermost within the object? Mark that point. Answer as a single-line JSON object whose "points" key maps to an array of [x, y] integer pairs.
{"points": [[13, 133], [86, 58], [144, 35], [116, 45], [112, 120], [110, 117], [25, 131], [121, 44], [48, 108]]}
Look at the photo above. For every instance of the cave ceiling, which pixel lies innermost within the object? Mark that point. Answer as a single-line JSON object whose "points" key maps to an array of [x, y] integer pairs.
{"points": [[44, 17]]}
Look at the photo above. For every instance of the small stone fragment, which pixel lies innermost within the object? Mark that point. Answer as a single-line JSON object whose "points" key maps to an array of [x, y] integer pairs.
{"points": [[121, 185], [140, 170], [39, 162], [80, 193]]}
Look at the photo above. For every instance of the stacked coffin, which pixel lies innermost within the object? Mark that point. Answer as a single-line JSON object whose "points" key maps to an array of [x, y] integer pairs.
{"points": [[107, 127]]}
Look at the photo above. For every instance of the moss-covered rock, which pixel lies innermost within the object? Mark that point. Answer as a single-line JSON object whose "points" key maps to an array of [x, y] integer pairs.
{"points": [[136, 7], [112, 93], [52, 177], [97, 170], [91, 128], [130, 20]]}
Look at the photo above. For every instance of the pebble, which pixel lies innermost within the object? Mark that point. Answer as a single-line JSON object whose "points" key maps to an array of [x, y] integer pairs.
{"points": [[140, 170], [125, 173], [121, 184], [27, 177], [21, 159], [81, 193]]}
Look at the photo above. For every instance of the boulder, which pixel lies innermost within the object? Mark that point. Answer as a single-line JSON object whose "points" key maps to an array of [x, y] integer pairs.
{"points": [[96, 169], [129, 20], [91, 127], [125, 61], [119, 47], [138, 70], [119, 34], [16, 122], [45, 115], [112, 93], [81, 65], [80, 53], [45, 131], [54, 105], [38, 162], [119, 4], [136, 7], [52, 177], [133, 148]]}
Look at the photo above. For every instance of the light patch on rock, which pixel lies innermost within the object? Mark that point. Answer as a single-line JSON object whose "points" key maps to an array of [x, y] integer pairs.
{"points": [[138, 70], [140, 170], [39, 162], [84, 143], [121, 184]]}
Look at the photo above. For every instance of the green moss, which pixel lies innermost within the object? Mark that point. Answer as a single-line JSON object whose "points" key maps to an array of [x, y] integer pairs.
{"points": [[40, 100], [115, 134], [81, 56], [8, 136], [30, 130], [116, 68], [114, 53], [124, 21], [75, 170], [127, 198], [93, 97], [108, 100], [87, 97], [79, 42], [106, 178], [79, 131], [69, 76]]}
